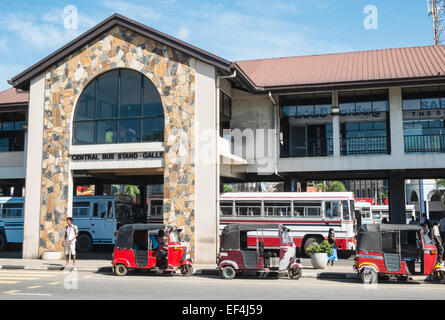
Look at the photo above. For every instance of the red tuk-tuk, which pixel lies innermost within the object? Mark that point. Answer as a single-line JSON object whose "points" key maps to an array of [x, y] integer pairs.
{"points": [[393, 250], [137, 248], [236, 255]]}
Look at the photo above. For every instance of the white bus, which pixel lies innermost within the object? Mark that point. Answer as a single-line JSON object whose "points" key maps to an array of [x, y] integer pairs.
{"points": [[363, 210], [309, 216], [97, 217], [380, 212]]}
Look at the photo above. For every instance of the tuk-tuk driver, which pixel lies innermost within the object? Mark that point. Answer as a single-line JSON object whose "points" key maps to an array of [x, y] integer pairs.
{"points": [[161, 253]]}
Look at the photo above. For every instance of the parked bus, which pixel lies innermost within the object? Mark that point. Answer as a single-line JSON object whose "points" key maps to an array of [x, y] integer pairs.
{"points": [[309, 216], [363, 211], [382, 211], [97, 217]]}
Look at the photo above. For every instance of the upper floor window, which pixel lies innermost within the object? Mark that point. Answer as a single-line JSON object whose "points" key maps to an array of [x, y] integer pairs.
{"points": [[119, 106], [306, 105], [363, 102], [424, 98], [12, 135]]}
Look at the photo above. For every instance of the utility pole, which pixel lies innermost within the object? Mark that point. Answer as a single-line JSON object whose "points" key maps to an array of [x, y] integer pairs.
{"points": [[436, 11]]}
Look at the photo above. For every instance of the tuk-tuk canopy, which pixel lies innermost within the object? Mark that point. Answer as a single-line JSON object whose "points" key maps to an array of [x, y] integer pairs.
{"points": [[124, 238], [230, 236], [369, 237]]}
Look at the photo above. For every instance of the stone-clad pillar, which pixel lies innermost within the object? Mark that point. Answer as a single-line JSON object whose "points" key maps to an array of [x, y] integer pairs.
{"points": [[173, 74]]}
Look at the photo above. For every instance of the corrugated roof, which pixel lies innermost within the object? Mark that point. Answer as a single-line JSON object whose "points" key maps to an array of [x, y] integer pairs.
{"points": [[351, 67], [10, 97]]}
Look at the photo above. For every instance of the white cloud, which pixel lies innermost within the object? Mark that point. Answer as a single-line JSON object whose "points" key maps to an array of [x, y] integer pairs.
{"points": [[183, 33]]}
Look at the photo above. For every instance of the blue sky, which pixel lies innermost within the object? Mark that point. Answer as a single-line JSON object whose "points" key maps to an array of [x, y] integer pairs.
{"points": [[233, 29]]}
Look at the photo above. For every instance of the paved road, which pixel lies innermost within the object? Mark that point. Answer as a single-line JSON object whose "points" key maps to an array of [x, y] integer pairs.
{"points": [[23, 284]]}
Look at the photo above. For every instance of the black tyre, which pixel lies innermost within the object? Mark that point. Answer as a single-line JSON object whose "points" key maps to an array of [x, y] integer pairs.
{"points": [[186, 270], [295, 273], [3, 243], [120, 270], [309, 243], [369, 276], [228, 273], [84, 243]]}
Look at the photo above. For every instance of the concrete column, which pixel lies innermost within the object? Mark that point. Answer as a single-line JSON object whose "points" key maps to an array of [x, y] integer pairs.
{"points": [[336, 125], [207, 182], [34, 169], [396, 122], [397, 206]]}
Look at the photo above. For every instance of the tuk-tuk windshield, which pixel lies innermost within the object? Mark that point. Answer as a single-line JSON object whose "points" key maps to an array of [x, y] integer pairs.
{"points": [[174, 236], [285, 237]]}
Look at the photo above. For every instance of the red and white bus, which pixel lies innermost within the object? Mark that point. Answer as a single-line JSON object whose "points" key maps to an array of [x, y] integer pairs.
{"points": [[309, 216]]}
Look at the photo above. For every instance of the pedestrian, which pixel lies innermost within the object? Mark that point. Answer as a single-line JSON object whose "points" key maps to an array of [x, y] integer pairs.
{"points": [[71, 233], [331, 239], [438, 241], [424, 220], [442, 229], [385, 221], [413, 221]]}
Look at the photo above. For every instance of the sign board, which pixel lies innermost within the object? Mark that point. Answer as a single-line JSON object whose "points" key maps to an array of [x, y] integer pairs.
{"points": [[117, 156]]}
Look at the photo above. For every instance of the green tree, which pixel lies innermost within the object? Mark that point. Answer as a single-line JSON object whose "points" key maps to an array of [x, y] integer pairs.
{"points": [[440, 191], [132, 191], [228, 188], [335, 186]]}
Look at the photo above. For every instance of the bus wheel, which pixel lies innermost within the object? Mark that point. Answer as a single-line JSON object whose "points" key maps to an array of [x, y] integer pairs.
{"points": [[121, 270], [228, 273], [309, 243], [84, 243], [3, 243]]}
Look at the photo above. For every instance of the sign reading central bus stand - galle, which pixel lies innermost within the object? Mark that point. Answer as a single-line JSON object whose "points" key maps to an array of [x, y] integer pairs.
{"points": [[117, 156]]}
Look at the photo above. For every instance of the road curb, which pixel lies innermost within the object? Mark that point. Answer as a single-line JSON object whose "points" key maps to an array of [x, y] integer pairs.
{"points": [[313, 275]]}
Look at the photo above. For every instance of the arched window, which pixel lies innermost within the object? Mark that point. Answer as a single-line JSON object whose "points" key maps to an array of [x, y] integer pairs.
{"points": [[119, 106], [414, 197]]}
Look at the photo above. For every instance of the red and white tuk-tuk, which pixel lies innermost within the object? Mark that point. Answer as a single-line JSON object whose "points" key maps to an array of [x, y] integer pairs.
{"points": [[236, 256], [137, 247], [393, 250]]}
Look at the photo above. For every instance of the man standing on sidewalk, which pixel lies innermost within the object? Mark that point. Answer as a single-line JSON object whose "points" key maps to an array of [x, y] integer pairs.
{"points": [[438, 241], [71, 233]]}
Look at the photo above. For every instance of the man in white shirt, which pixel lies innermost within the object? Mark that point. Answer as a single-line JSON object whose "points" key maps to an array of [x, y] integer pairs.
{"points": [[71, 233], [438, 241], [442, 229]]}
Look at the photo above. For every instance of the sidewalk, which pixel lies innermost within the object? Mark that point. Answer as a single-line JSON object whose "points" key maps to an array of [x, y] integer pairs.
{"points": [[342, 270]]}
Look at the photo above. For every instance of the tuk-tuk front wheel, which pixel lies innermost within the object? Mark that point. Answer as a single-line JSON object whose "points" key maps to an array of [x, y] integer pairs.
{"points": [[186, 270], [228, 273], [295, 273], [368, 276], [120, 270]]}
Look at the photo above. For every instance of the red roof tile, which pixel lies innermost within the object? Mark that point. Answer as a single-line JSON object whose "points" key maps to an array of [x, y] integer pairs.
{"points": [[10, 96], [374, 65]]}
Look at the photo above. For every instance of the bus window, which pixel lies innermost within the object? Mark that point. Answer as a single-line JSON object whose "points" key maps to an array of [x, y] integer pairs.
{"points": [[95, 210], [248, 208], [226, 208], [277, 208], [332, 209], [299, 211], [102, 209], [313, 212], [12, 210], [156, 208], [346, 215], [110, 210], [81, 210]]}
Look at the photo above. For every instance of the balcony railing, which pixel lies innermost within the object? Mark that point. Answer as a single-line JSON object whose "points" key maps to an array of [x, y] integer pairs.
{"points": [[434, 143], [319, 147], [364, 146]]}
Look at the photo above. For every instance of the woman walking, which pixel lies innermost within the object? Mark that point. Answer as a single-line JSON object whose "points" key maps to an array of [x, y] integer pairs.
{"points": [[331, 239]]}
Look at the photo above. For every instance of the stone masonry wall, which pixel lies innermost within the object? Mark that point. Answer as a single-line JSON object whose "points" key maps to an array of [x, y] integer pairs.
{"points": [[173, 74]]}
